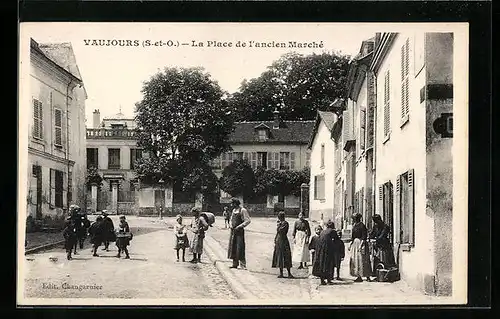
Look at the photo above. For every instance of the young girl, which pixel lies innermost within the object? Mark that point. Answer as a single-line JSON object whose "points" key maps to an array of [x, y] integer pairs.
{"points": [[123, 237], [314, 241], [181, 239]]}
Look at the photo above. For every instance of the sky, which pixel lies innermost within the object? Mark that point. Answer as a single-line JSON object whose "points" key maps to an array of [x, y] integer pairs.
{"points": [[113, 75]]}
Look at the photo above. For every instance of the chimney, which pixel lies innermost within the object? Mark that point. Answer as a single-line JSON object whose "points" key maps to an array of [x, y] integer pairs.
{"points": [[277, 120], [97, 119]]}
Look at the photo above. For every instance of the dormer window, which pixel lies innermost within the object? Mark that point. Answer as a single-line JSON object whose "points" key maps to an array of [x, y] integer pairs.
{"points": [[262, 134]]}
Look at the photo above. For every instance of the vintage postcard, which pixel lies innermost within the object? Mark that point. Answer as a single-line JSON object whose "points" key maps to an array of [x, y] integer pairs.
{"points": [[243, 164]]}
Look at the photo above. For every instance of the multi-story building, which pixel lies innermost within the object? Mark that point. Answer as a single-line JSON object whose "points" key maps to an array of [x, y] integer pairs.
{"points": [[323, 169], [111, 148], [276, 144], [413, 156], [56, 152], [392, 151]]}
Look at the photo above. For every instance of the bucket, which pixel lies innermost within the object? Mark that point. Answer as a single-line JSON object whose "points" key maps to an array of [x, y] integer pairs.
{"points": [[209, 218]]}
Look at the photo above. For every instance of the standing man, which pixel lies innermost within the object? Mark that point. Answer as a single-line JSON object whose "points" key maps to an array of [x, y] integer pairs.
{"points": [[238, 221]]}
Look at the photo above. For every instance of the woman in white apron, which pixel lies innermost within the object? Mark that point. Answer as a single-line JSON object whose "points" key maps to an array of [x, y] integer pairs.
{"points": [[301, 234]]}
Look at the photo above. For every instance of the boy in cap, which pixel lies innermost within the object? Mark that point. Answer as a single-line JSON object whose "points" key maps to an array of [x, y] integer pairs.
{"points": [[123, 237]]}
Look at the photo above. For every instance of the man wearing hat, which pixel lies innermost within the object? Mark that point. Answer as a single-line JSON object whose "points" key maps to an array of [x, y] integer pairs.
{"points": [[74, 218], [108, 229], [238, 221]]}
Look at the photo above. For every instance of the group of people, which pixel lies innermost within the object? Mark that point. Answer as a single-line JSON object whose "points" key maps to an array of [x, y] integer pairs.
{"points": [[327, 250], [238, 219], [101, 232]]}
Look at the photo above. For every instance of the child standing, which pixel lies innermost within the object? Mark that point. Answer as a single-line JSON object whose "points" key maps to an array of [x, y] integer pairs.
{"points": [[314, 241], [123, 237], [70, 237], [227, 216], [181, 238], [339, 253]]}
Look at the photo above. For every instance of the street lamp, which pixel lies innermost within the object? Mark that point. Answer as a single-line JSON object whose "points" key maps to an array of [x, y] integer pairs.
{"points": [[161, 182]]}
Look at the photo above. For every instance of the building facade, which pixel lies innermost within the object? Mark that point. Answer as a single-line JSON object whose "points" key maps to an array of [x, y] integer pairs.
{"points": [[392, 152], [275, 144], [413, 155], [56, 152], [111, 149], [323, 169]]}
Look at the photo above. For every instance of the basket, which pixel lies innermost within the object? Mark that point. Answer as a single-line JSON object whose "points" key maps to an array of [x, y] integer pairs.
{"points": [[387, 275]]}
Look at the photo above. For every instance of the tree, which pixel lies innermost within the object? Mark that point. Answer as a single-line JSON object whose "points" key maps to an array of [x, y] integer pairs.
{"points": [[183, 122], [298, 85], [238, 179]]}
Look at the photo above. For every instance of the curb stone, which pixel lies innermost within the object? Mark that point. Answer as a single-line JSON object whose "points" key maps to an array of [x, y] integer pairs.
{"points": [[42, 247], [235, 285]]}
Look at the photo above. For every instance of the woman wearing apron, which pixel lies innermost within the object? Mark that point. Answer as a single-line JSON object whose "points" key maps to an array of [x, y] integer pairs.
{"points": [[301, 234]]}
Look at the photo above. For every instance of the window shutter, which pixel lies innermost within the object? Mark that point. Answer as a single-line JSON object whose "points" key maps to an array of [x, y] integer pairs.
{"points": [[381, 200], [362, 200], [269, 160], [52, 194], [58, 126], [387, 110], [362, 135], [397, 211], [389, 216], [411, 207], [292, 160]]}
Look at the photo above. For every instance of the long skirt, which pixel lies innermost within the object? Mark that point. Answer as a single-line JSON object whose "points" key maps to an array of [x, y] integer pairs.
{"points": [[282, 254], [197, 245], [236, 249], [300, 249], [359, 265]]}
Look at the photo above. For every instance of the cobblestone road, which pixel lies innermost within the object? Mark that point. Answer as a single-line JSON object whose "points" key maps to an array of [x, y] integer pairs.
{"points": [[152, 271]]}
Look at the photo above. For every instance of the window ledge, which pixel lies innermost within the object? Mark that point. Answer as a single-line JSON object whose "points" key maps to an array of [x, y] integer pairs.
{"points": [[404, 120], [406, 247], [386, 138], [58, 146], [322, 200], [38, 140]]}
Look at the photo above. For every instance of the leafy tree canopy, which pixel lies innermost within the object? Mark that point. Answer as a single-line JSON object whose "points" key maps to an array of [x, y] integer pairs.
{"points": [[238, 179], [297, 85], [182, 120]]}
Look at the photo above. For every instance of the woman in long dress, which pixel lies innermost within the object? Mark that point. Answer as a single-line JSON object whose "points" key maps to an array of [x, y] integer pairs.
{"points": [[360, 254], [301, 234], [198, 227], [383, 253], [324, 256], [282, 255]]}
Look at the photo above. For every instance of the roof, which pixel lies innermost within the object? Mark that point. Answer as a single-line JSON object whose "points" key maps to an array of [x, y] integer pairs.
{"points": [[290, 132], [62, 54], [38, 48], [329, 118]]}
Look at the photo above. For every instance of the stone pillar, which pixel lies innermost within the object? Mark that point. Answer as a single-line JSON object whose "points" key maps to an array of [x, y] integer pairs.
{"points": [[198, 200], [94, 197], [114, 196], [304, 199], [169, 198]]}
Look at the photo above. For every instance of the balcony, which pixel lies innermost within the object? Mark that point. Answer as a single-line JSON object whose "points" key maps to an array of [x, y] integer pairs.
{"points": [[107, 133]]}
